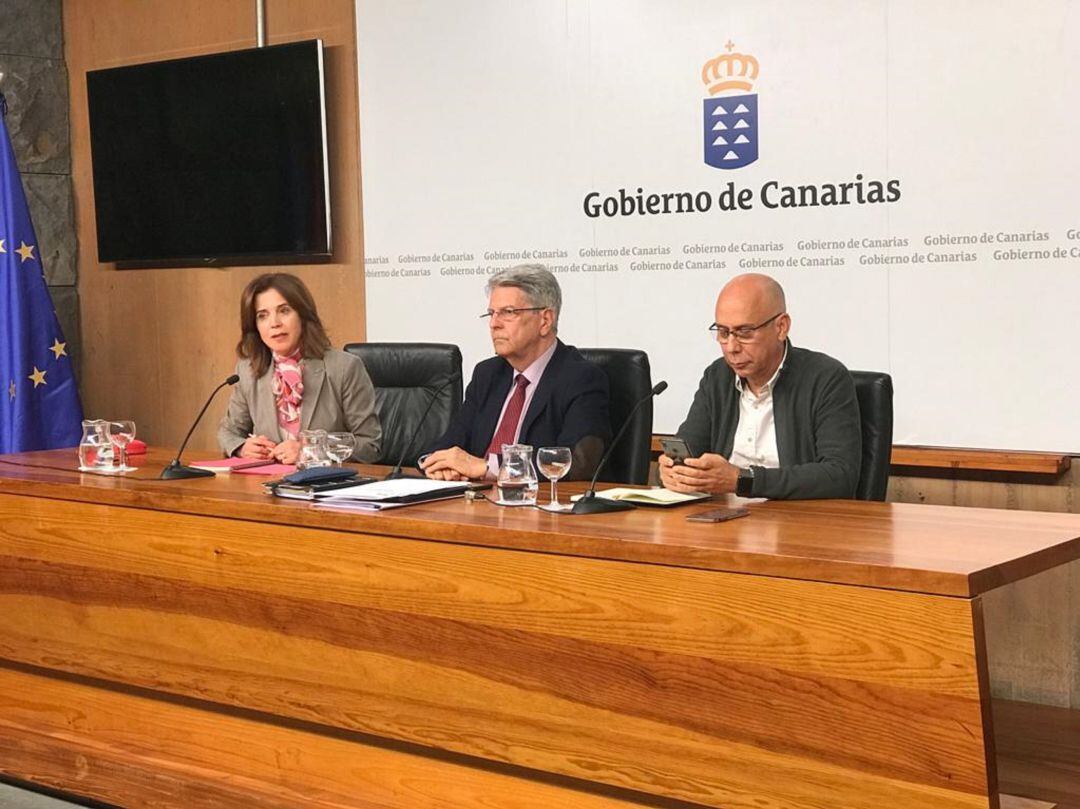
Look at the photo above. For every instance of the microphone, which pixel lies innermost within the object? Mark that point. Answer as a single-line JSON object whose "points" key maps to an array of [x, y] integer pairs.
{"points": [[589, 503], [176, 470], [396, 472]]}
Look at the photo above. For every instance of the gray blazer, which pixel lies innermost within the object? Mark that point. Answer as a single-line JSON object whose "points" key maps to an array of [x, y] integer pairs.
{"points": [[338, 396]]}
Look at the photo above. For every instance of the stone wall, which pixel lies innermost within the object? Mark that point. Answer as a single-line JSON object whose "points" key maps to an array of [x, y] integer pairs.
{"points": [[35, 84]]}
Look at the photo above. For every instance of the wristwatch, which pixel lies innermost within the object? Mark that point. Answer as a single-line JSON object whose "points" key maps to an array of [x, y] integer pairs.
{"points": [[744, 486]]}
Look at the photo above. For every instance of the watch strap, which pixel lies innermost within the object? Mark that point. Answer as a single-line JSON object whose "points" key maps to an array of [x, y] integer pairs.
{"points": [[744, 486]]}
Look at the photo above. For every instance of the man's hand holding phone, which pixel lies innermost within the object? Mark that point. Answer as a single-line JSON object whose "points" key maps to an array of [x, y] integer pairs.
{"points": [[676, 448], [680, 471]]}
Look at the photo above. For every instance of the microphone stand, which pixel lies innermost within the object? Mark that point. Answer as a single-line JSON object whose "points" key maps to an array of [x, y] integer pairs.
{"points": [[589, 503], [396, 472], [176, 470]]}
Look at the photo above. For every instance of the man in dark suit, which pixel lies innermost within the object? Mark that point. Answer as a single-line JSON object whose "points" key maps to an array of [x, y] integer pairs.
{"points": [[537, 390]]}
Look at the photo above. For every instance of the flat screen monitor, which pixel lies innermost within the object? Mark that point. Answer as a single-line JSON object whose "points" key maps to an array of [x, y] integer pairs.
{"points": [[213, 159]]}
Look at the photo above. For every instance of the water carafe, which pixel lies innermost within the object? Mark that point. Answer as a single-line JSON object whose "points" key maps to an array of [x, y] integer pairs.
{"points": [[312, 450], [517, 482], [95, 447]]}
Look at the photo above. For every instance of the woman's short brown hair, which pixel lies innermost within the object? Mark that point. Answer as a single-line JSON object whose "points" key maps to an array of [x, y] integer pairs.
{"points": [[313, 340]]}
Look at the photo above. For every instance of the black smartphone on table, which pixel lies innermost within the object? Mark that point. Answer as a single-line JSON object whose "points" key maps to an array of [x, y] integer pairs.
{"points": [[719, 514]]}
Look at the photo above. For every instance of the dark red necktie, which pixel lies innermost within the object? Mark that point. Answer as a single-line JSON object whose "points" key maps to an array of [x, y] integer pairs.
{"points": [[511, 416]]}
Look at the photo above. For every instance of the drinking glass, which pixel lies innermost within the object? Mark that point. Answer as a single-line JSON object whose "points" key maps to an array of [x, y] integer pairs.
{"points": [[122, 433], [340, 446], [554, 463]]}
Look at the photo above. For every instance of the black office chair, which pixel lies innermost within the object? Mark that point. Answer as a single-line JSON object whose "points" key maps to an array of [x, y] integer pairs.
{"points": [[629, 379], [406, 376], [875, 393]]}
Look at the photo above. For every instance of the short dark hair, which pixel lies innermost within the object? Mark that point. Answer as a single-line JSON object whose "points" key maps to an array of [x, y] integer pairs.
{"points": [[313, 340]]}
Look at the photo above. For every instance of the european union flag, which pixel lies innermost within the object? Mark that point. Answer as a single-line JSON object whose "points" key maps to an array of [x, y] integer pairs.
{"points": [[39, 400]]}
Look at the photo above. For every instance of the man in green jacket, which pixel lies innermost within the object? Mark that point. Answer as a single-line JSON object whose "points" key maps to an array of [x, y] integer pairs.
{"points": [[769, 419]]}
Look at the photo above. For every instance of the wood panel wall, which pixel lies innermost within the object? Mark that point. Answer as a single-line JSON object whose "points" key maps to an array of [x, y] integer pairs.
{"points": [[944, 487], [157, 341]]}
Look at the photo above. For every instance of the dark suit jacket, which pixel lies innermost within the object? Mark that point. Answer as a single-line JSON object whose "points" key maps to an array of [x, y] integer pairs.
{"points": [[569, 409]]}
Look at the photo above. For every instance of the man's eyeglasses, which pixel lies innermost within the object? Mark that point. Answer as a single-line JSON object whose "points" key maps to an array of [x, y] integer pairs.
{"points": [[511, 312], [744, 334]]}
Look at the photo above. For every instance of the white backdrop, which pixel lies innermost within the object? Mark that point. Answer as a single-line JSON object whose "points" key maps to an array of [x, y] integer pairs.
{"points": [[485, 125]]}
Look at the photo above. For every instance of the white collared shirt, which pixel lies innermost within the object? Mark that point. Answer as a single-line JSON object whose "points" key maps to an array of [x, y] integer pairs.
{"points": [[755, 437], [533, 374]]}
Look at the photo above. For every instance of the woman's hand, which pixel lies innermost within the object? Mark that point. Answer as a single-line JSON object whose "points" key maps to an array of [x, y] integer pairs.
{"points": [[257, 447], [287, 452]]}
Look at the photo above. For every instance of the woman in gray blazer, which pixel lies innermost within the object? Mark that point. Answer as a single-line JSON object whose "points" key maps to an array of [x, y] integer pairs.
{"points": [[292, 380]]}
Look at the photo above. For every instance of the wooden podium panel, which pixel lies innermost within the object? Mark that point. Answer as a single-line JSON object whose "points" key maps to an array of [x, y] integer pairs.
{"points": [[135, 751], [600, 676]]}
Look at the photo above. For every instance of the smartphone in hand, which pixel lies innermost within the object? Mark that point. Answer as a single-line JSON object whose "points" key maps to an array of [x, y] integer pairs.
{"points": [[676, 449]]}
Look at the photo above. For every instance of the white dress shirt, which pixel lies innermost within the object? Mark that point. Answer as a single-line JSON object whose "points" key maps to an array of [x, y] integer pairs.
{"points": [[755, 437]]}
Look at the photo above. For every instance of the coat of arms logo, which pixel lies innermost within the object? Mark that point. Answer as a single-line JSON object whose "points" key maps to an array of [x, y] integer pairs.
{"points": [[730, 110]]}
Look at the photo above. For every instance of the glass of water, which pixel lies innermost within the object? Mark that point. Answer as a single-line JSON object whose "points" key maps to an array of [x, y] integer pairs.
{"points": [[340, 446], [554, 463], [122, 433]]}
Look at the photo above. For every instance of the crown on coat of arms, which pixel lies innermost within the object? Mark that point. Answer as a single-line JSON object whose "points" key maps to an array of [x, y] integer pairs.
{"points": [[730, 71]]}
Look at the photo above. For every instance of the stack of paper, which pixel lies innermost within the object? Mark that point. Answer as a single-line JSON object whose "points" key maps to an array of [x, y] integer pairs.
{"points": [[384, 494]]}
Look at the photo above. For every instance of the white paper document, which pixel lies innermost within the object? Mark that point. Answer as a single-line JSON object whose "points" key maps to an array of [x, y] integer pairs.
{"points": [[393, 489], [651, 497], [364, 506]]}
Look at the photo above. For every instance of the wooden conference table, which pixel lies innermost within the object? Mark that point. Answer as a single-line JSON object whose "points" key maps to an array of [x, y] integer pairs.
{"points": [[198, 643]]}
